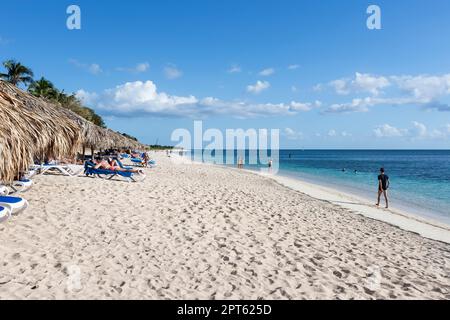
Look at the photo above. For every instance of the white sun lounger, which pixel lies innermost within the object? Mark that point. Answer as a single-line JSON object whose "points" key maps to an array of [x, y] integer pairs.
{"points": [[64, 169], [4, 191], [22, 185], [15, 203], [5, 213]]}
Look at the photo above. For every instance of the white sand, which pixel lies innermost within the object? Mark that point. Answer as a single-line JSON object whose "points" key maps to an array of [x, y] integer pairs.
{"points": [[198, 231]]}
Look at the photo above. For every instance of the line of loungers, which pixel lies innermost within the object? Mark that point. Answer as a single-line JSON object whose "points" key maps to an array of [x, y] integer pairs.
{"points": [[11, 204]]}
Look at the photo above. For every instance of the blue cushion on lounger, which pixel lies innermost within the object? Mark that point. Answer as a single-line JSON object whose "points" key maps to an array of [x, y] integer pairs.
{"points": [[11, 200]]}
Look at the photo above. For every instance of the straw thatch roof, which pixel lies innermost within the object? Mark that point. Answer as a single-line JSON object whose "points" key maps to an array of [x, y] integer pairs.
{"points": [[100, 138], [122, 142], [32, 128], [92, 135]]}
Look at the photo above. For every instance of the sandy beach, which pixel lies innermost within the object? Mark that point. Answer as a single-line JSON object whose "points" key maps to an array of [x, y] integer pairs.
{"points": [[193, 231]]}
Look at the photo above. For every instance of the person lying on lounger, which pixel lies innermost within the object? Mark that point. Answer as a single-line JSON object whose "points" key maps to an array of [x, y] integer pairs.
{"points": [[103, 164], [113, 163]]}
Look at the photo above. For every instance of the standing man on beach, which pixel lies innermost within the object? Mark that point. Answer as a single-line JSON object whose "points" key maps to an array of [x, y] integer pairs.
{"points": [[383, 186]]}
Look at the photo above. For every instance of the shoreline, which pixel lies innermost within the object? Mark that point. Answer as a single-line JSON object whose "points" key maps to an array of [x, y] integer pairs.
{"points": [[425, 227]]}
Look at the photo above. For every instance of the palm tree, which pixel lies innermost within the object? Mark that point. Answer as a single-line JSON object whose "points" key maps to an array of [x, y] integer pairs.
{"points": [[16, 73], [43, 88]]}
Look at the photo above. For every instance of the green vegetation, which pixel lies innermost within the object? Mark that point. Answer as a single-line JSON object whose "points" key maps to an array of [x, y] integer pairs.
{"points": [[158, 147], [129, 137], [16, 73], [44, 88]]}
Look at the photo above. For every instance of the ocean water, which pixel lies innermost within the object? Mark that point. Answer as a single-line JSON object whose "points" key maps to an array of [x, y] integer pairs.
{"points": [[419, 179]]}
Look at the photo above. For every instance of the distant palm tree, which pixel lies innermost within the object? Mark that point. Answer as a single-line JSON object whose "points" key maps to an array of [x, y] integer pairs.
{"points": [[43, 88], [68, 101], [16, 73]]}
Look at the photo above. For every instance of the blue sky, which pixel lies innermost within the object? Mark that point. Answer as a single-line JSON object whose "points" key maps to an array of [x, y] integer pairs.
{"points": [[311, 69]]}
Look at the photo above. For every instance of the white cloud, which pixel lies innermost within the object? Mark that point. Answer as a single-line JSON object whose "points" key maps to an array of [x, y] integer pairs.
{"points": [[300, 106], [142, 67], [340, 86], [417, 131], [267, 72], [333, 133], [136, 98], [363, 104], [293, 67], [357, 105], [360, 83], [424, 88], [171, 72], [388, 131], [258, 87], [95, 69], [369, 83], [247, 110], [139, 68], [234, 69], [88, 98], [92, 68], [292, 134]]}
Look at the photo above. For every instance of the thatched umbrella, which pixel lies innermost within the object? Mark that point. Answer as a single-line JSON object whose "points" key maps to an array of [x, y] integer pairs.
{"points": [[32, 128], [95, 137], [122, 142], [92, 135]]}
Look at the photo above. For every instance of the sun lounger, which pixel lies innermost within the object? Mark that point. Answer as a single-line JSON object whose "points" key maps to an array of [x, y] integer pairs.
{"points": [[31, 172], [15, 203], [5, 213], [53, 167], [110, 174], [4, 191], [21, 185], [67, 170], [139, 161], [122, 166]]}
